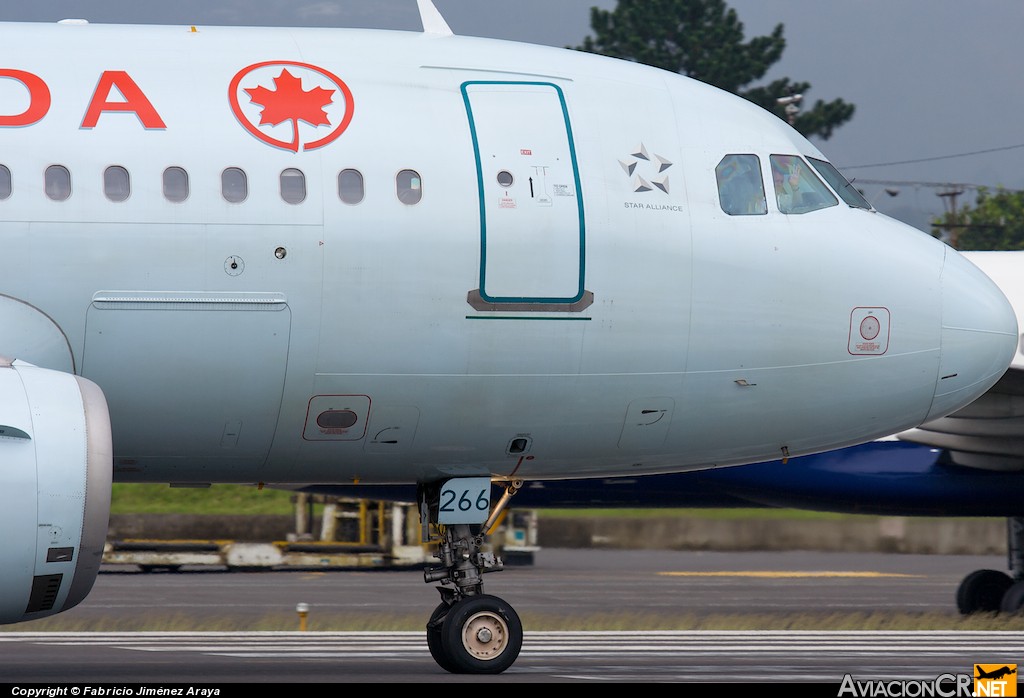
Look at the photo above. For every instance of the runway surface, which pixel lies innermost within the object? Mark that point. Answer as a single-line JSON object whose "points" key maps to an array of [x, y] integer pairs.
{"points": [[645, 591], [197, 659]]}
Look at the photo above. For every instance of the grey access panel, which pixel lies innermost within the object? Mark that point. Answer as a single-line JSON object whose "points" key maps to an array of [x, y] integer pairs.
{"points": [[227, 354]]}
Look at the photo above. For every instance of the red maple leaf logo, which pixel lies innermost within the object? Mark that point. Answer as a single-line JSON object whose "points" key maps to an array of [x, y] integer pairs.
{"points": [[289, 102]]}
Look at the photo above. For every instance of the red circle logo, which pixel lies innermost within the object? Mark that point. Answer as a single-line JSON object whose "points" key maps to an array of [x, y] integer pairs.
{"points": [[291, 105], [870, 327]]}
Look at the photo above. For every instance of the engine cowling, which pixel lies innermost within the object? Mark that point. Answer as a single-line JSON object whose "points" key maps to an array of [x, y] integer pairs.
{"points": [[55, 477]]}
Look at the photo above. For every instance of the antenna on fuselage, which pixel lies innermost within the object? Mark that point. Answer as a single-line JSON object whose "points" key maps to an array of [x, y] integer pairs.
{"points": [[433, 22]]}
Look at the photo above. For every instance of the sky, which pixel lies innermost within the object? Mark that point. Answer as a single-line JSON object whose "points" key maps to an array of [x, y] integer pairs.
{"points": [[935, 82]]}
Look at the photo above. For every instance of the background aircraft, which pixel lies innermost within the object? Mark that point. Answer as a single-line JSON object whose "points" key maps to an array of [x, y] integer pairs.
{"points": [[354, 256]]}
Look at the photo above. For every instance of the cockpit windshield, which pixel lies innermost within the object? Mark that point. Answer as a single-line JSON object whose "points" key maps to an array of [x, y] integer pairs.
{"points": [[740, 189], [797, 189], [837, 181]]}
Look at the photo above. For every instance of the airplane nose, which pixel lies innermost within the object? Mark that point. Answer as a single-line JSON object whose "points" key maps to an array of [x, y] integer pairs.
{"points": [[979, 335]]}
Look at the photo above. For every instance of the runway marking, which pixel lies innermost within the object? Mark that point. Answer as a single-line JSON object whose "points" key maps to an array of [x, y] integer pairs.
{"points": [[695, 641], [768, 574]]}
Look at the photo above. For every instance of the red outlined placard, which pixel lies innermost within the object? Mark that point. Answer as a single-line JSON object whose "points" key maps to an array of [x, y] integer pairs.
{"points": [[869, 331]]}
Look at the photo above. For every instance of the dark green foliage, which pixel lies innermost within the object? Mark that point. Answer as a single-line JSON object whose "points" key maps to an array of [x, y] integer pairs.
{"points": [[704, 40], [995, 222]]}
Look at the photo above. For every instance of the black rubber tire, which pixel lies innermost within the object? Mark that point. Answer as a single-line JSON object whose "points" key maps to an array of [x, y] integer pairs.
{"points": [[481, 635], [982, 591], [435, 642], [1013, 599]]}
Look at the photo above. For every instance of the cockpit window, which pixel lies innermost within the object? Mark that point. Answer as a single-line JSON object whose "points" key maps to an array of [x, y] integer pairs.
{"points": [[837, 181], [797, 189], [740, 188]]}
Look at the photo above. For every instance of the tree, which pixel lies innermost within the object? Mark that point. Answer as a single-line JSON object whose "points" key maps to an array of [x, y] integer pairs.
{"points": [[995, 222], [704, 40]]}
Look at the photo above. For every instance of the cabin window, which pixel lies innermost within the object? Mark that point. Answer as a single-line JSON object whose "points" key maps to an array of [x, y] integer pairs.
{"points": [[233, 185], [740, 187], [350, 186], [409, 186], [175, 184], [57, 183], [293, 186], [116, 183], [5, 183], [797, 189], [840, 184]]}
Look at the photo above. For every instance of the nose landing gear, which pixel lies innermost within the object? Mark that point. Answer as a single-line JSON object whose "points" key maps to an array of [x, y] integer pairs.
{"points": [[469, 632]]}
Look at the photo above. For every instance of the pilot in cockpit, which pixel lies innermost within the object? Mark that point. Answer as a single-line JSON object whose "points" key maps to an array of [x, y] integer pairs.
{"points": [[786, 174]]}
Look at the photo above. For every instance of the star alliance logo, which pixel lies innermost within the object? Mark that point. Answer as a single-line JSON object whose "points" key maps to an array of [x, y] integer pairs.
{"points": [[636, 160]]}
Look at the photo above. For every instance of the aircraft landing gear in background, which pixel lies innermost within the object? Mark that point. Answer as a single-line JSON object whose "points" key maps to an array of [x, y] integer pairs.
{"points": [[469, 632], [991, 591], [982, 591]]}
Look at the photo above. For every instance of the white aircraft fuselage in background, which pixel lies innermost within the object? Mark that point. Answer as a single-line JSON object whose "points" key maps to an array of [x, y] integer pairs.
{"points": [[336, 256]]}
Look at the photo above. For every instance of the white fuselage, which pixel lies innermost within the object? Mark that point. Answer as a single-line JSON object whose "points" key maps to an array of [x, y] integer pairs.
{"points": [[537, 279]]}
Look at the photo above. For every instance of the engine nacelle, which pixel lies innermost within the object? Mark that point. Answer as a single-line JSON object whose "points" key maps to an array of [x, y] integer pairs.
{"points": [[55, 476]]}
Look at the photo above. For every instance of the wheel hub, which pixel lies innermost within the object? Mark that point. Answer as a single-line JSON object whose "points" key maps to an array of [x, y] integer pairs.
{"points": [[485, 635]]}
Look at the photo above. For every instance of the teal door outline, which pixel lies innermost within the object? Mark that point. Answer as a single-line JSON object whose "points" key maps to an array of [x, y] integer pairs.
{"points": [[532, 224]]}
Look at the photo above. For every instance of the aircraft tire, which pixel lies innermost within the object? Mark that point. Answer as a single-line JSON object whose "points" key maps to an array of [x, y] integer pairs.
{"points": [[982, 591], [1013, 599], [435, 641], [481, 634]]}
